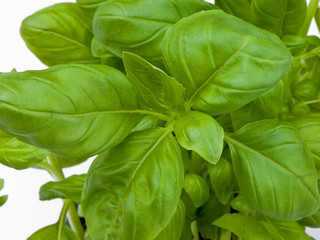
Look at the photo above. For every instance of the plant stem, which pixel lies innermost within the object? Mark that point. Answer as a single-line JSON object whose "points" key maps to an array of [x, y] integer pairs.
{"points": [[312, 101], [317, 18], [75, 221], [194, 230], [311, 11]]}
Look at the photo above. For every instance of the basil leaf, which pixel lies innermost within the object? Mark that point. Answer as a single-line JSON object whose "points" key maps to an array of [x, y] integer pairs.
{"points": [[126, 193], [149, 122], [59, 34], [201, 133], [91, 4], [74, 111], [1, 183], [240, 204], [274, 184], [4, 198], [160, 92], [69, 188], [238, 8], [280, 17], [17, 154], [312, 221], [222, 179], [139, 26], [247, 228], [241, 60], [52, 233], [174, 229], [197, 189]]}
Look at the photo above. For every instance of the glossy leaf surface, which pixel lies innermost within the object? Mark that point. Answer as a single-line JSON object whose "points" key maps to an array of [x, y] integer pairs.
{"points": [[274, 184], [59, 34], [197, 189], [241, 60], [139, 26], [69, 188], [132, 191], [17, 154], [75, 111], [160, 92], [52, 233], [281, 17], [201, 133]]}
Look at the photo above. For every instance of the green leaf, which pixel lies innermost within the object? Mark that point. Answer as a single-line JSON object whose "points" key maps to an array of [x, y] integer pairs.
{"points": [[160, 92], [201, 133], [174, 229], [69, 188], [241, 60], [275, 173], [197, 189], [3, 199], [132, 191], [139, 26], [222, 179], [149, 122], [312, 221], [59, 34], [240, 204], [17, 154], [52, 233], [1, 183], [247, 228], [281, 17], [74, 111], [90, 3], [238, 8]]}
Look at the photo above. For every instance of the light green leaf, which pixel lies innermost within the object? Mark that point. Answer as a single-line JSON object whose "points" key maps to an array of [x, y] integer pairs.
{"points": [[17, 154], [132, 191], [149, 122], [139, 26], [275, 173], [247, 228], [281, 17], [90, 3], [3, 199], [238, 8], [240, 204], [160, 92], [174, 229], [197, 188], [1, 183], [69, 188], [74, 111], [241, 60], [59, 34], [201, 133], [52, 233], [222, 179]]}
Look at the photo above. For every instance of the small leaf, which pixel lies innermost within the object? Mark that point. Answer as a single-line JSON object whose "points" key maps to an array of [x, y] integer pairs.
{"points": [[132, 190], [69, 188], [160, 92], [197, 189], [201, 133], [1, 183], [3, 199], [240, 204], [52, 233], [222, 179]]}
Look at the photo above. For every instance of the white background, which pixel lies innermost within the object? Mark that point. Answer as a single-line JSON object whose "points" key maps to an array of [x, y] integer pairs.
{"points": [[23, 213]]}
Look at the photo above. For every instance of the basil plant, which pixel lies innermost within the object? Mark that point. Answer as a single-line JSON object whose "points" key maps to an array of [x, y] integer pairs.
{"points": [[204, 119]]}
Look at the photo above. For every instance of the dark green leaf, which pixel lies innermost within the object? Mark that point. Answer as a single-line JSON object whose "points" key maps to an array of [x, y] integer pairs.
{"points": [[75, 111], [3, 199], [312, 221], [139, 26], [132, 191], [70, 188], [52, 233], [59, 34], [222, 179], [238, 8], [197, 188], [241, 60], [275, 173], [201, 133], [281, 17], [160, 92]]}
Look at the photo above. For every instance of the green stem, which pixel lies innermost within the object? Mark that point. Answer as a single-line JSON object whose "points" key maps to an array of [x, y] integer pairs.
{"points": [[311, 11], [313, 101], [194, 230], [317, 18], [62, 217], [58, 175]]}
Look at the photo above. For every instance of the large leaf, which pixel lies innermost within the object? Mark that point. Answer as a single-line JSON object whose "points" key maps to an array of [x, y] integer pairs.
{"points": [[161, 92], [201, 133], [222, 61], [139, 26], [132, 191], [17, 154], [54, 232], [75, 111], [174, 229], [275, 173], [59, 34], [281, 17], [69, 188], [238, 8]]}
